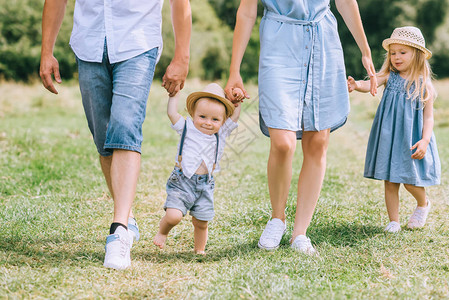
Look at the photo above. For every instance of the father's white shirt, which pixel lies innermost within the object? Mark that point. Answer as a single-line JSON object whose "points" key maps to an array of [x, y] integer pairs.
{"points": [[131, 27]]}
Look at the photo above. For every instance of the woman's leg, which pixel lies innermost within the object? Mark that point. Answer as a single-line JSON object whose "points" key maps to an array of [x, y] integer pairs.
{"points": [[314, 147], [279, 169], [392, 200]]}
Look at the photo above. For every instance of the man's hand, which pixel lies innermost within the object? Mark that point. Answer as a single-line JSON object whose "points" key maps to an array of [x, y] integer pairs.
{"points": [[49, 66], [175, 76]]}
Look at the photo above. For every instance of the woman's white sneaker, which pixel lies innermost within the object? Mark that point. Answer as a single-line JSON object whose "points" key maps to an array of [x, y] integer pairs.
{"points": [[303, 244], [272, 235]]}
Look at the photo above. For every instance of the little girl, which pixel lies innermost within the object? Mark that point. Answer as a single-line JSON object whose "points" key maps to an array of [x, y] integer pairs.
{"points": [[401, 147]]}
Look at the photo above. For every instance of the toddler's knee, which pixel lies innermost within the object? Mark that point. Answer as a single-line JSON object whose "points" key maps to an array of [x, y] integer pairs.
{"points": [[202, 225], [173, 217]]}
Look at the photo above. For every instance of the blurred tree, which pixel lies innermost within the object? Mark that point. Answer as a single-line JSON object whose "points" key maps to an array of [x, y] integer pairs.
{"points": [[20, 40], [380, 17], [211, 45]]}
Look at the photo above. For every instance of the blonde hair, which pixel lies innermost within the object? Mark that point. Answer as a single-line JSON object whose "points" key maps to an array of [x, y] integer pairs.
{"points": [[420, 76]]}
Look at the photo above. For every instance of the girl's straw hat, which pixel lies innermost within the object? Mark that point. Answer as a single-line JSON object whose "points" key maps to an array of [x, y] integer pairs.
{"points": [[213, 91], [410, 36]]}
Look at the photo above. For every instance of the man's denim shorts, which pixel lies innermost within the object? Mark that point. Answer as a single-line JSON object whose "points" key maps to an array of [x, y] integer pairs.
{"points": [[195, 194], [115, 99]]}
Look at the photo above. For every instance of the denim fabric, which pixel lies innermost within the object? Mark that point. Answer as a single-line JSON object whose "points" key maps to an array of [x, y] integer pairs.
{"points": [[115, 98], [195, 194], [302, 80], [397, 126]]}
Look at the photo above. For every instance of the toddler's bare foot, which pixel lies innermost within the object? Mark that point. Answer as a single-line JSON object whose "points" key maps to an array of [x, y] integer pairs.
{"points": [[159, 240], [200, 252]]}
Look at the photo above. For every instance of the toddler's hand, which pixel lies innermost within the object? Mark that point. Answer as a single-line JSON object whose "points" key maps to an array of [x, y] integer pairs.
{"points": [[352, 84], [421, 149], [238, 95]]}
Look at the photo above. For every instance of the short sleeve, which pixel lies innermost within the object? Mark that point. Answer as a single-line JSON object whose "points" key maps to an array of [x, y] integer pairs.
{"points": [[179, 126], [228, 127]]}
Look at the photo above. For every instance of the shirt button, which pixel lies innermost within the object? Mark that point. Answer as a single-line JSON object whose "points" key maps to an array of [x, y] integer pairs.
{"points": [[305, 65]]}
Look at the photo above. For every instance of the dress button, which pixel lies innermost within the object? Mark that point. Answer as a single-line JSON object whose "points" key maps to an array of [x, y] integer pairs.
{"points": [[307, 29], [305, 65], [307, 47]]}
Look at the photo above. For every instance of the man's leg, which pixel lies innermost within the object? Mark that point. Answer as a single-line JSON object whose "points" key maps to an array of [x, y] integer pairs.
{"points": [[105, 162], [125, 168]]}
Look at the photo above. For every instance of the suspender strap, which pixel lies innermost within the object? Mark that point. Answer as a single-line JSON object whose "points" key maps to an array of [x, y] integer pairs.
{"points": [[181, 145], [216, 154]]}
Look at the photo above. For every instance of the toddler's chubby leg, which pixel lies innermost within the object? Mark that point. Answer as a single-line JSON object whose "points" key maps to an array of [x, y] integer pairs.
{"points": [[172, 217], [200, 235]]}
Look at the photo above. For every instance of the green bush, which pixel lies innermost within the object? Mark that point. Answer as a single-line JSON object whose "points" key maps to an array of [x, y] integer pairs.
{"points": [[20, 40], [211, 43]]}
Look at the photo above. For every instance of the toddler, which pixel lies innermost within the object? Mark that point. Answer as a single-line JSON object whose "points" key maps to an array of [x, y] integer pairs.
{"points": [[191, 184]]}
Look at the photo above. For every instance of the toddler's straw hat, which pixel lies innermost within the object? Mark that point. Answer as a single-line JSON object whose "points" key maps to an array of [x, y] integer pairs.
{"points": [[213, 91], [410, 36]]}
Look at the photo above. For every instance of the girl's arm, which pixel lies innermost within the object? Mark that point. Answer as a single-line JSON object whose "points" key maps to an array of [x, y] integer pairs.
{"points": [[246, 17], [349, 10], [364, 86], [421, 145], [172, 109]]}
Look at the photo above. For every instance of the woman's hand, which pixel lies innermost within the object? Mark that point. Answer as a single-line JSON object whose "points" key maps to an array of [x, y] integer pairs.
{"points": [[369, 66], [234, 89]]}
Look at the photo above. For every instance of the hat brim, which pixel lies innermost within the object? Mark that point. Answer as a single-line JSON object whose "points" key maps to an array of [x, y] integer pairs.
{"points": [[193, 97], [387, 42]]}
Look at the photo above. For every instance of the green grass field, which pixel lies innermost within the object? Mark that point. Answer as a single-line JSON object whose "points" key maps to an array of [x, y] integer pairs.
{"points": [[55, 213]]}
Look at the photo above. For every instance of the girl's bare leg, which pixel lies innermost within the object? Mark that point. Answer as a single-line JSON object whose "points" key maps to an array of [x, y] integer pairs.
{"points": [[172, 217], [314, 146], [279, 169], [419, 193], [199, 235], [392, 200]]}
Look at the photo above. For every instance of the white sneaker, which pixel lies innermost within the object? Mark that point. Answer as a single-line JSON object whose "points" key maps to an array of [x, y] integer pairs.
{"points": [[393, 227], [272, 235], [303, 244], [419, 217], [133, 230], [117, 249]]}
